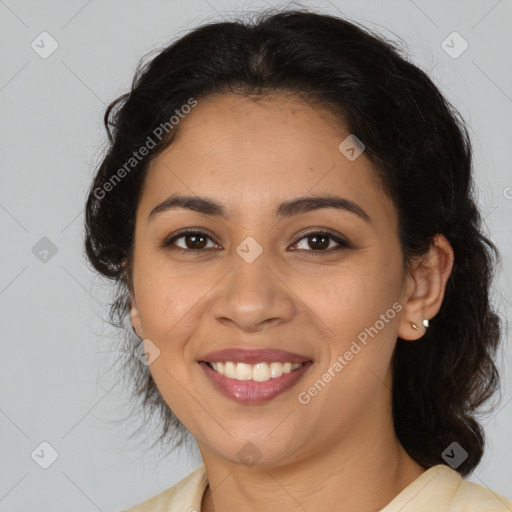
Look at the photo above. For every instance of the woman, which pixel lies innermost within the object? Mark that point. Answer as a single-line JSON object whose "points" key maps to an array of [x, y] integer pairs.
{"points": [[287, 208]]}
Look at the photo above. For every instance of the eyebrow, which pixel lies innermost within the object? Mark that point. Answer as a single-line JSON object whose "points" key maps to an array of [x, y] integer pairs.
{"points": [[286, 209]]}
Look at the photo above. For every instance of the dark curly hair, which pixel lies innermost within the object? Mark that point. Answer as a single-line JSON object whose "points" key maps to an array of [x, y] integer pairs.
{"points": [[421, 151]]}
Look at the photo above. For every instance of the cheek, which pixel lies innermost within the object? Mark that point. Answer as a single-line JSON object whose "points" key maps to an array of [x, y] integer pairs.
{"points": [[165, 294], [359, 353], [170, 312], [359, 308]]}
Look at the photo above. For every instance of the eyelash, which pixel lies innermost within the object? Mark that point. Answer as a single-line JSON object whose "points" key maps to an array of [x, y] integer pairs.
{"points": [[344, 244]]}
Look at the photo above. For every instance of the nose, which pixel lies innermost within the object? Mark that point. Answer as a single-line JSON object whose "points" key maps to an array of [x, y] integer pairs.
{"points": [[252, 297]]}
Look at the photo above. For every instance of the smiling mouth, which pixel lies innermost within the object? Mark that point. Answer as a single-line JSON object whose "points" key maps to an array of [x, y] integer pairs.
{"points": [[253, 383], [260, 372]]}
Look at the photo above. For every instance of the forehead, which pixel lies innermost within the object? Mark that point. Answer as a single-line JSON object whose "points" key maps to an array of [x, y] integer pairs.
{"points": [[250, 155]]}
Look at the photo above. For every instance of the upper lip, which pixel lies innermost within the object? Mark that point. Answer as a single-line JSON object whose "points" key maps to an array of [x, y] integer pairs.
{"points": [[253, 356]]}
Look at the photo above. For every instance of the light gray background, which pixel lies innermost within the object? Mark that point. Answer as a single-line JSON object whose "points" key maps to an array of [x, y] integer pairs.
{"points": [[56, 350]]}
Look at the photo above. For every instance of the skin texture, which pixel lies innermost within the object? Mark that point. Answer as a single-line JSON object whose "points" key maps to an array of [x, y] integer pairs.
{"points": [[341, 447]]}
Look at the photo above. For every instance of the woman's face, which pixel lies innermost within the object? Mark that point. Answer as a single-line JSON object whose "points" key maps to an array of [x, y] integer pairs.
{"points": [[262, 280]]}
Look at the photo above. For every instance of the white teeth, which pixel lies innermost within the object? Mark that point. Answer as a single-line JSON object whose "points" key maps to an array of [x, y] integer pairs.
{"points": [[229, 370], [259, 372], [276, 370], [243, 371]]}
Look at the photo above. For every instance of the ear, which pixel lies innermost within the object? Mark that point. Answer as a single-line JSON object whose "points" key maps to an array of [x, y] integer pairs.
{"points": [[134, 317], [425, 288], [134, 312]]}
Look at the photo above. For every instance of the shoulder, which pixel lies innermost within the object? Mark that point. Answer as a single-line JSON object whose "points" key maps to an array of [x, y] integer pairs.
{"points": [[443, 488], [472, 496], [186, 494]]}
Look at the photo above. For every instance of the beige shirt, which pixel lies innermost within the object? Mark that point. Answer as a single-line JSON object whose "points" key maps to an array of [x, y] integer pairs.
{"points": [[439, 489]]}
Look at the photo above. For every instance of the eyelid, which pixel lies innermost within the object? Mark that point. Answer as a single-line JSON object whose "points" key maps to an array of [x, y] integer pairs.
{"points": [[335, 236], [168, 241], [343, 242]]}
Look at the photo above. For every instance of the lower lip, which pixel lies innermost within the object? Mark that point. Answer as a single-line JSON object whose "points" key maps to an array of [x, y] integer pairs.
{"points": [[250, 391]]}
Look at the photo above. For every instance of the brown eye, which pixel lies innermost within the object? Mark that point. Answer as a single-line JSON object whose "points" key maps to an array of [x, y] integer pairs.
{"points": [[315, 241], [319, 241], [195, 241], [192, 240]]}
